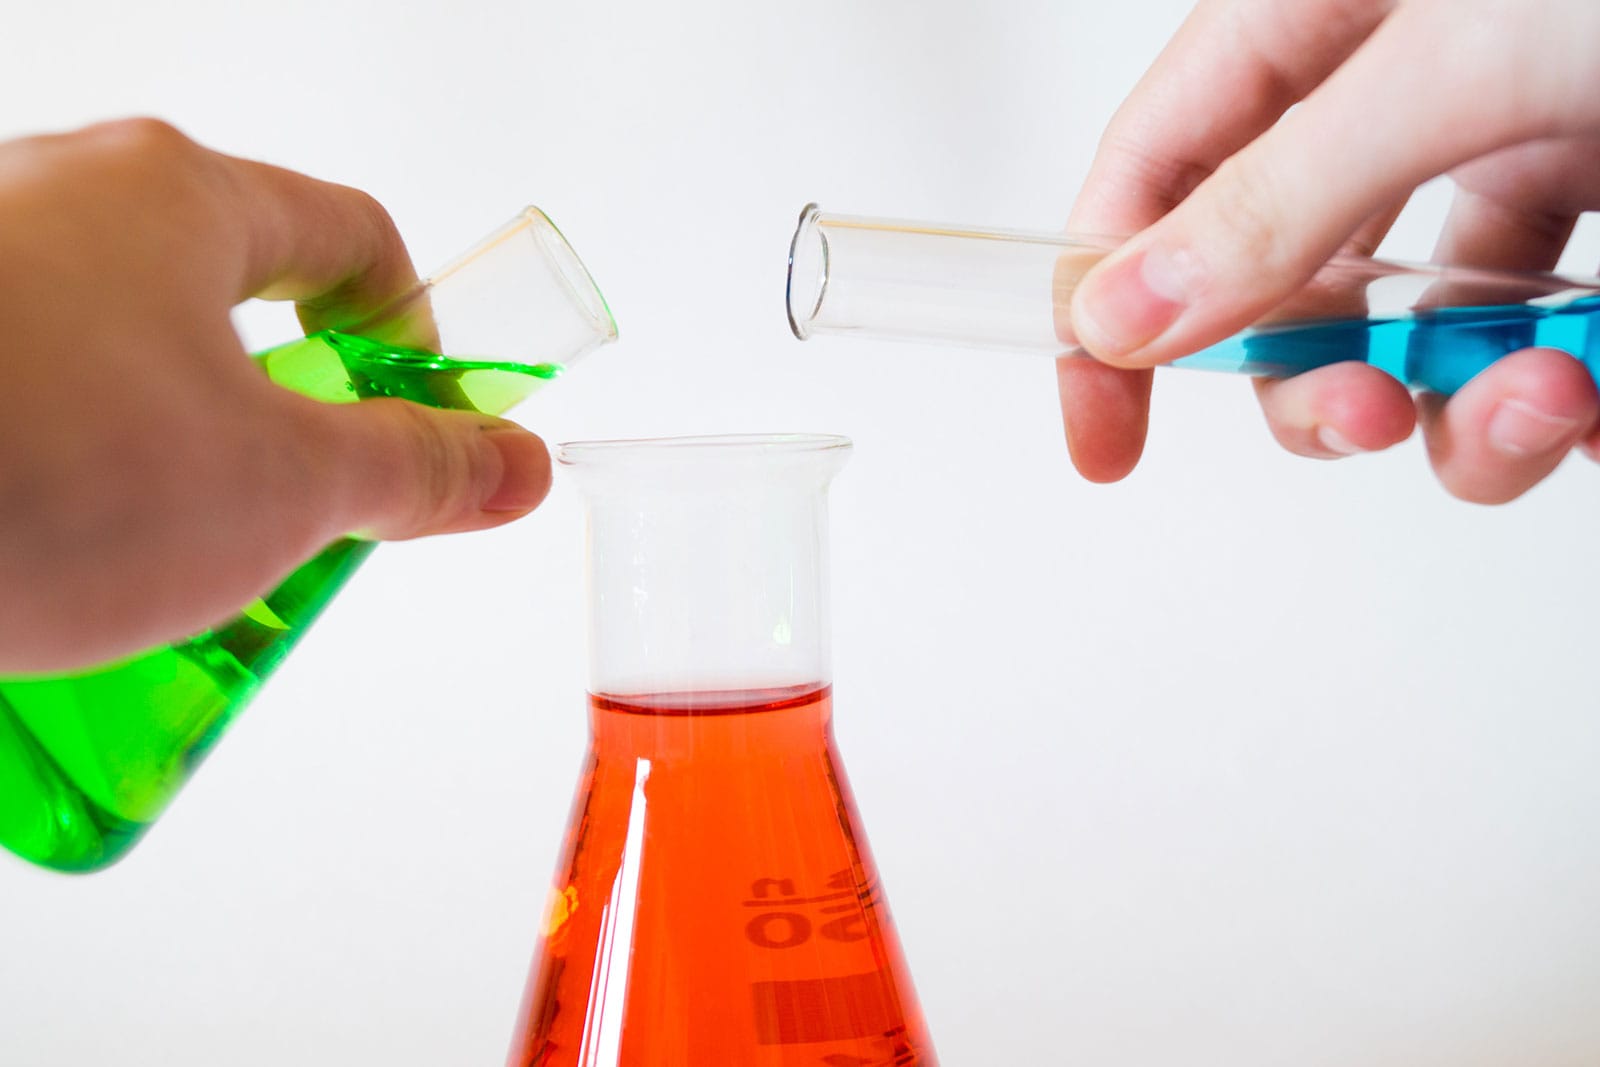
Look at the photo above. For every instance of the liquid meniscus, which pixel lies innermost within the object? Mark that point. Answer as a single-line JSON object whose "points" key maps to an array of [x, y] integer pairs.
{"points": [[88, 760]]}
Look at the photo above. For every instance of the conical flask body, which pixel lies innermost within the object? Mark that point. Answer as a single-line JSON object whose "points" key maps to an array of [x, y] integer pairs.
{"points": [[716, 901]]}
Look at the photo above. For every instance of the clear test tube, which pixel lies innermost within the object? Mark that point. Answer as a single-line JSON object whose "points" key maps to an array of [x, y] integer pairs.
{"points": [[1430, 327]]}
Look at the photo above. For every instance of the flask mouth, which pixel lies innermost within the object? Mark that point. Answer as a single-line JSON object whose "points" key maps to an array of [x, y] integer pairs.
{"points": [[565, 267], [707, 446], [707, 560], [734, 466]]}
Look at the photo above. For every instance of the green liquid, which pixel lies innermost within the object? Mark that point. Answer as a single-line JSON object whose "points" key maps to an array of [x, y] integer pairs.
{"points": [[89, 760]]}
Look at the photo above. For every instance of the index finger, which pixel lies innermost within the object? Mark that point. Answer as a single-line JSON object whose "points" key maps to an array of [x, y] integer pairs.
{"points": [[1230, 71], [332, 249]]}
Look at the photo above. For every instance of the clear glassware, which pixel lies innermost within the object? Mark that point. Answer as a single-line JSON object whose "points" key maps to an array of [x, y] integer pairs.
{"points": [[715, 901], [88, 760], [1430, 327]]}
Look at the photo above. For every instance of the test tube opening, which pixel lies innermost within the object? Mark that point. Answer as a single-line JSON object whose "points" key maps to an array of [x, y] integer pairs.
{"points": [[807, 284]]}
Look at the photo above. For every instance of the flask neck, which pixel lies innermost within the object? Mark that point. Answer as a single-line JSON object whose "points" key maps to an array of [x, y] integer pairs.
{"points": [[707, 559], [521, 295]]}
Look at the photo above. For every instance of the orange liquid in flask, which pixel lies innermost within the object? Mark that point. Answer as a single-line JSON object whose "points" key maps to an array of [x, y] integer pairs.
{"points": [[716, 902]]}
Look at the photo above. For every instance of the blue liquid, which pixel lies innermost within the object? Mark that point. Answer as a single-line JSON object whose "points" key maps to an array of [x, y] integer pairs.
{"points": [[1439, 350]]}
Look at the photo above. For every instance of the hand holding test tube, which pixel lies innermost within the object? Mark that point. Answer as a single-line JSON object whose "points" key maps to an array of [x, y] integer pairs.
{"points": [[1267, 138]]}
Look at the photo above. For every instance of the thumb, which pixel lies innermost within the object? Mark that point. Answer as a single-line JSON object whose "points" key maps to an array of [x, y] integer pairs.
{"points": [[399, 470]]}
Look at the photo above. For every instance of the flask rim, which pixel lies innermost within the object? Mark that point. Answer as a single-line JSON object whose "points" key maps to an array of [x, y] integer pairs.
{"points": [[572, 453]]}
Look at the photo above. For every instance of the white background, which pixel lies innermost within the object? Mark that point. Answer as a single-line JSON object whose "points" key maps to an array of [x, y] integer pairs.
{"points": [[1249, 760]]}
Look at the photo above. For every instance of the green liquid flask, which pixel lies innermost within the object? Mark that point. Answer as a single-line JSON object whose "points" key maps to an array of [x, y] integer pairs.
{"points": [[88, 760]]}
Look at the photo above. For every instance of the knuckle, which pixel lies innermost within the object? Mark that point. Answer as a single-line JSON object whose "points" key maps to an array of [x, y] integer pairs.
{"points": [[151, 165], [1246, 207], [373, 217], [390, 246], [141, 137], [439, 474], [1135, 163], [374, 212], [301, 471]]}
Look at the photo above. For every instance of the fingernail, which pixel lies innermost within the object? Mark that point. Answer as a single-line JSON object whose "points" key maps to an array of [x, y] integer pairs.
{"points": [[1136, 298], [524, 473], [1336, 442], [1517, 428]]}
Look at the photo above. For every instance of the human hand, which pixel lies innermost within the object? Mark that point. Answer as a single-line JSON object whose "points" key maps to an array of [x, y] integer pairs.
{"points": [[152, 479], [1236, 204]]}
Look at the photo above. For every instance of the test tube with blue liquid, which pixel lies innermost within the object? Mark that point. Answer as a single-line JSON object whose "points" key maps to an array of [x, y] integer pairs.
{"points": [[1431, 327]]}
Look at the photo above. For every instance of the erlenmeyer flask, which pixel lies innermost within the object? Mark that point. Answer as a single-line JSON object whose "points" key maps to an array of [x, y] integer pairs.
{"points": [[88, 760], [715, 902]]}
